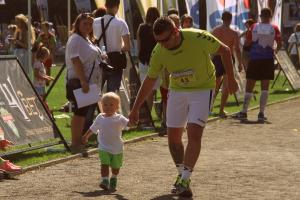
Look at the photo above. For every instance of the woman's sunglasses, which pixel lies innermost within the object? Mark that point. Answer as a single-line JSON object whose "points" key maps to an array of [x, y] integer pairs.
{"points": [[165, 39]]}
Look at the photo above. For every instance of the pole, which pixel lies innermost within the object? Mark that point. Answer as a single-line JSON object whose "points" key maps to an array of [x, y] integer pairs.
{"points": [[29, 38], [69, 16]]}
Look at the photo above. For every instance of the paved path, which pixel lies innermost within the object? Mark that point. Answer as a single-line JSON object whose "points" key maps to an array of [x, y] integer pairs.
{"points": [[238, 161]]}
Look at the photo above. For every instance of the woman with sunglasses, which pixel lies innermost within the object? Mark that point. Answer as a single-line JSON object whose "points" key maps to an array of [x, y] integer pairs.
{"points": [[82, 57]]}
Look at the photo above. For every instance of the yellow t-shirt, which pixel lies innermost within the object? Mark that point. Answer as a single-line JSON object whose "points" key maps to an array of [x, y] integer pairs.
{"points": [[189, 65]]}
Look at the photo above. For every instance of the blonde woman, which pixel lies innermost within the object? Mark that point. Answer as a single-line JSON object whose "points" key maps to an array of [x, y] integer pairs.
{"points": [[20, 41]]}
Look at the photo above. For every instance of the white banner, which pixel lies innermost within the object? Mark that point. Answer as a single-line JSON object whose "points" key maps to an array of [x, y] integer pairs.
{"points": [[277, 14], [43, 9], [83, 6], [192, 7], [238, 8], [2, 2]]}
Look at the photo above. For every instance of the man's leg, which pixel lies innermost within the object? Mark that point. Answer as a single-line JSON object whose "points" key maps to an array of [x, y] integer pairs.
{"points": [[224, 97], [263, 99], [175, 144]]}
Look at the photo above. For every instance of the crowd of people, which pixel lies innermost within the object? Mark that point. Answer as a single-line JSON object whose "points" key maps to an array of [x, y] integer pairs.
{"points": [[188, 65]]}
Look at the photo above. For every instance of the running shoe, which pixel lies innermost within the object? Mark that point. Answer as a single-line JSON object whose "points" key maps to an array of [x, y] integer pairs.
{"points": [[240, 116], [113, 183], [261, 117], [183, 188], [10, 168], [175, 185], [104, 184]]}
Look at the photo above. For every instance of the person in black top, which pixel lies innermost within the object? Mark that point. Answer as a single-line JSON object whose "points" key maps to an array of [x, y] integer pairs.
{"points": [[146, 44]]}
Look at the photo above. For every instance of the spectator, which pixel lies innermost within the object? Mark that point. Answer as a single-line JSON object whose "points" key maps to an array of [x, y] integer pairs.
{"points": [[175, 18], [172, 11], [294, 46], [99, 12], [40, 76], [230, 38], [48, 40], [5, 165], [246, 49], [81, 58], [261, 38], [21, 42], [146, 43], [108, 126], [186, 21], [37, 28], [10, 37], [117, 43]]}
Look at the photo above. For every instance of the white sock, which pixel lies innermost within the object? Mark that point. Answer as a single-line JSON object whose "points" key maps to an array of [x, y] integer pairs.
{"points": [[179, 168], [104, 178], [247, 100], [263, 100], [186, 173], [114, 176]]}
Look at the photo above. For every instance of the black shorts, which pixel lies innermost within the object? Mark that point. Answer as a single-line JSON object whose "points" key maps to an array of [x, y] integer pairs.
{"points": [[261, 69], [77, 111], [220, 70]]}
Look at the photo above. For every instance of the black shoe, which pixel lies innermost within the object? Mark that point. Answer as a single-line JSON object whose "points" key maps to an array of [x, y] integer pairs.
{"points": [[240, 116], [261, 117]]}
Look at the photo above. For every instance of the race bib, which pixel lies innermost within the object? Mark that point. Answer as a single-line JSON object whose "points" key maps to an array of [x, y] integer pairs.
{"points": [[183, 78]]}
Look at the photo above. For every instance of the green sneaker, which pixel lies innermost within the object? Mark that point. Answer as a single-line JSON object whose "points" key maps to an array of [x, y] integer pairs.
{"points": [[104, 184], [113, 183], [175, 185], [183, 188]]}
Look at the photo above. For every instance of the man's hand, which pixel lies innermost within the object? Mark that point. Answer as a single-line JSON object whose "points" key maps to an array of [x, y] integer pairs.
{"points": [[232, 86], [5, 143], [133, 117]]}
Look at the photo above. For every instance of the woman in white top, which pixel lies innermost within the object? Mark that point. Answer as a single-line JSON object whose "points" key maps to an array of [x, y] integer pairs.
{"points": [[294, 43], [82, 60]]}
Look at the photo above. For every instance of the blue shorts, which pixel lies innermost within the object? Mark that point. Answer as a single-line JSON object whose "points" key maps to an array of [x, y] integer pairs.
{"points": [[41, 90]]}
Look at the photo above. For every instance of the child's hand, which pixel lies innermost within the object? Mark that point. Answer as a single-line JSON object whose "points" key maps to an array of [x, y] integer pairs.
{"points": [[49, 78]]}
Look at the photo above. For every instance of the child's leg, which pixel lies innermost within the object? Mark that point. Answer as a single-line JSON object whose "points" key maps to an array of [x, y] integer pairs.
{"points": [[105, 162], [116, 163], [115, 172], [104, 171]]}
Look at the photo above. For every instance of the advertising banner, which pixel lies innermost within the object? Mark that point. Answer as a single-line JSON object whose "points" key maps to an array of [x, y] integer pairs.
{"points": [[145, 4], [239, 9], [43, 9], [192, 7], [23, 118], [83, 6]]}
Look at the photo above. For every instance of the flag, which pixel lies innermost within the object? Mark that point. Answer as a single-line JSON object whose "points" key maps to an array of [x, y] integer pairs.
{"points": [[277, 14], [192, 7], [239, 9], [164, 5]]}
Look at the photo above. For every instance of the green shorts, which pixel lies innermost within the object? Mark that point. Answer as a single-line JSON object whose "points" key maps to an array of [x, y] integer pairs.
{"points": [[115, 161]]}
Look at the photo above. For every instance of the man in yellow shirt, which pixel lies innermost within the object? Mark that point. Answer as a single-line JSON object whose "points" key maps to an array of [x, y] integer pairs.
{"points": [[186, 56]]}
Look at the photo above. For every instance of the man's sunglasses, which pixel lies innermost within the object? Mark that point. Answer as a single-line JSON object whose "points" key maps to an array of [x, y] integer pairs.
{"points": [[165, 39]]}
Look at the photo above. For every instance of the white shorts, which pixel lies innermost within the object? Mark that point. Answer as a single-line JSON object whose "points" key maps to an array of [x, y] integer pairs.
{"points": [[188, 107], [143, 70]]}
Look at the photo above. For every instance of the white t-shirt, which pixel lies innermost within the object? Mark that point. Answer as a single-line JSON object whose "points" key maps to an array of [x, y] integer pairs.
{"points": [[87, 52], [116, 29], [42, 71], [293, 40], [109, 130]]}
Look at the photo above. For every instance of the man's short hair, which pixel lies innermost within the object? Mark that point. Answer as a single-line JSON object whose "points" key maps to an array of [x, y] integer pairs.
{"points": [[162, 25], [226, 16], [172, 11], [266, 12], [112, 3]]}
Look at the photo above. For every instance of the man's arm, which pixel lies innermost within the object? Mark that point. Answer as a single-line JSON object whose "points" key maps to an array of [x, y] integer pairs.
{"points": [[144, 91], [126, 40], [225, 53]]}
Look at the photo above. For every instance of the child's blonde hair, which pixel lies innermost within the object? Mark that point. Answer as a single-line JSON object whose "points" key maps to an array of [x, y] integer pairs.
{"points": [[112, 96], [42, 52]]}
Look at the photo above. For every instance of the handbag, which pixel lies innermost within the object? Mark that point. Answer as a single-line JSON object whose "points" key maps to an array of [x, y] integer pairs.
{"points": [[116, 59], [73, 84]]}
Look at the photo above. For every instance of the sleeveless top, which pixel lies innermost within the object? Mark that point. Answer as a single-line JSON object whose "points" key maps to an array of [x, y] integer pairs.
{"points": [[147, 43]]}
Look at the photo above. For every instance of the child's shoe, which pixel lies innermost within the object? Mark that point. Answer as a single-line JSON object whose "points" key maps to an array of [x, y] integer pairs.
{"points": [[10, 168], [104, 184], [113, 183]]}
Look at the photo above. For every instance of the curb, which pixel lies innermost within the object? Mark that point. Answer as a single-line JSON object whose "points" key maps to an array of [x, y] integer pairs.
{"points": [[95, 150]]}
